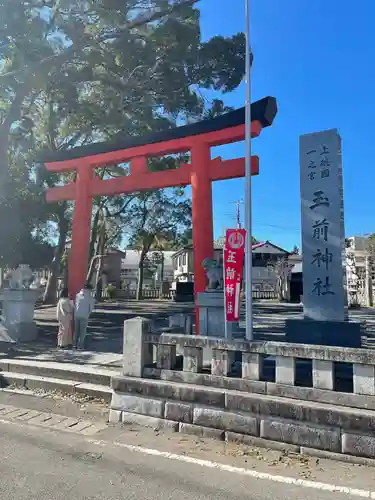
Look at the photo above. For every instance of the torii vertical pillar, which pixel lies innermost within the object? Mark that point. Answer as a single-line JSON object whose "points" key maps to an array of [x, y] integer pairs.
{"points": [[202, 219], [81, 231]]}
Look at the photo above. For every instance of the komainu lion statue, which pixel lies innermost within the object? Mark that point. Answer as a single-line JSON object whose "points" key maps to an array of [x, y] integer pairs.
{"points": [[214, 274], [21, 277]]}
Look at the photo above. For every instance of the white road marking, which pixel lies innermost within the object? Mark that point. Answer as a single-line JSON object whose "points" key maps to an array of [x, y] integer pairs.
{"points": [[304, 483]]}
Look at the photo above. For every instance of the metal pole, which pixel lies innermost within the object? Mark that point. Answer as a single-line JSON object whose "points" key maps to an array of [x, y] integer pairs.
{"points": [[248, 247]]}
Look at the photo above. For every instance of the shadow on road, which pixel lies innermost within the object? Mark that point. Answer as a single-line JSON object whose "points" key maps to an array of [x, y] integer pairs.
{"points": [[105, 331]]}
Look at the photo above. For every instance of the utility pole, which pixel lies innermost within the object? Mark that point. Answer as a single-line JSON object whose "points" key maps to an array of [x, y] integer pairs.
{"points": [[238, 204], [238, 213]]}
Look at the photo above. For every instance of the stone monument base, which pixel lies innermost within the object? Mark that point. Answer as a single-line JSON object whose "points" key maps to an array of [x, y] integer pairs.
{"points": [[329, 333], [23, 332], [18, 310], [211, 316]]}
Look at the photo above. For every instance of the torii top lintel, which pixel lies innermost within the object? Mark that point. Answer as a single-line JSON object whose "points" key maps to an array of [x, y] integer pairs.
{"points": [[227, 128]]}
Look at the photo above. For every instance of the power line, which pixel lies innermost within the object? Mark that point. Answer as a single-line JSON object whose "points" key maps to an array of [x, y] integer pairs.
{"points": [[284, 228], [275, 226]]}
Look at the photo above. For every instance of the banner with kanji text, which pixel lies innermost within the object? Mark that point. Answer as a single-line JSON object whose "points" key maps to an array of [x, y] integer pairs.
{"points": [[234, 254]]}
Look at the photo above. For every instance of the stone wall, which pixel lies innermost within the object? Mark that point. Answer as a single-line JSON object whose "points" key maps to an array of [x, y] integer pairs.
{"points": [[309, 399]]}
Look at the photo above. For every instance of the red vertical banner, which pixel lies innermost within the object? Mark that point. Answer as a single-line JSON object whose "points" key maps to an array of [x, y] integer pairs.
{"points": [[234, 254]]}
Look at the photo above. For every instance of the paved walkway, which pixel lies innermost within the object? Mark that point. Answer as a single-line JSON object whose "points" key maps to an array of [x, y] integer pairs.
{"points": [[269, 318], [104, 345], [88, 357], [104, 342]]}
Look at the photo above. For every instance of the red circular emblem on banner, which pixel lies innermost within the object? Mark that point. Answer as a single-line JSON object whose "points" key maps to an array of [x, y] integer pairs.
{"points": [[236, 240]]}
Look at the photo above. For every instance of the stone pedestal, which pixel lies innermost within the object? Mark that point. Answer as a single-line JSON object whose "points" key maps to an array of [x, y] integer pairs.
{"points": [[18, 312], [211, 316], [330, 333], [182, 321]]}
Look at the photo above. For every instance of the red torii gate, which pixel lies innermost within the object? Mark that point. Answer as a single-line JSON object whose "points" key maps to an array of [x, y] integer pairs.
{"points": [[197, 138]]}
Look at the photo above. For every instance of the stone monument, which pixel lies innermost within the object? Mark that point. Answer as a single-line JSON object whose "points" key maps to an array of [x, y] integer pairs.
{"points": [[211, 304], [325, 318], [19, 303]]}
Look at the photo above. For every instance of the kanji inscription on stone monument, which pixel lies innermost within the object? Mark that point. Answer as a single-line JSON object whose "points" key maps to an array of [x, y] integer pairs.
{"points": [[323, 234]]}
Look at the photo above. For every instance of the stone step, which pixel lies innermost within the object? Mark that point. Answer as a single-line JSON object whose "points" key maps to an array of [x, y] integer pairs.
{"points": [[66, 386], [56, 370]]}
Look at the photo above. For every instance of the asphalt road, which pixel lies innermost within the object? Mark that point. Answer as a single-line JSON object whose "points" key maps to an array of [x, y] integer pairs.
{"points": [[38, 464]]}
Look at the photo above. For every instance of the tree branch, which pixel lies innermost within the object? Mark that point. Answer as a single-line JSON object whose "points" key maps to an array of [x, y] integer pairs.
{"points": [[14, 112], [140, 20], [122, 209], [149, 17]]}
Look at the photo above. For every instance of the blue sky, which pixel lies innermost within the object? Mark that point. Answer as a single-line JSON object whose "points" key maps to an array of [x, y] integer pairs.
{"points": [[317, 58]]}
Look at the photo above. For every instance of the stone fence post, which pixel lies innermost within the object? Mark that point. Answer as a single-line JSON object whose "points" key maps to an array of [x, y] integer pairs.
{"points": [[183, 321], [137, 353]]}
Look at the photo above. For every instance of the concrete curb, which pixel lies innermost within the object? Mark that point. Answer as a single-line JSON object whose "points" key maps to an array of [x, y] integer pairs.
{"points": [[68, 378], [58, 370], [341, 457], [33, 382]]}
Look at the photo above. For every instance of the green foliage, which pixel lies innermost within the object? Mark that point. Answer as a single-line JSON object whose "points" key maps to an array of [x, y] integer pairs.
{"points": [[185, 238], [157, 219], [75, 72], [20, 212], [110, 292]]}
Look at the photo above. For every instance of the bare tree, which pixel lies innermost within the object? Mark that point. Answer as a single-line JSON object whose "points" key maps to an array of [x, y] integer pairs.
{"points": [[369, 271], [282, 268], [356, 281], [370, 249]]}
